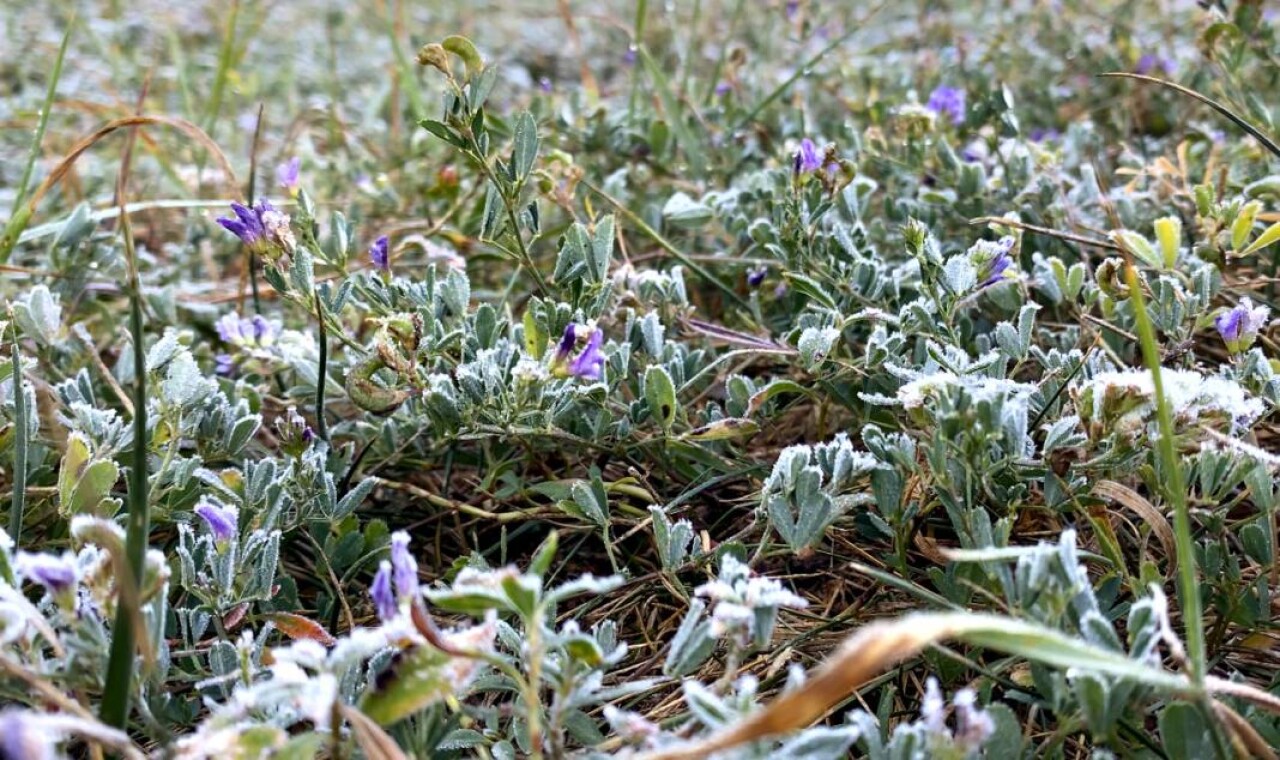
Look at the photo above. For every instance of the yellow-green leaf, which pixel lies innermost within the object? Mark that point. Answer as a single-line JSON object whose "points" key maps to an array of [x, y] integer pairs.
{"points": [[1268, 236]]}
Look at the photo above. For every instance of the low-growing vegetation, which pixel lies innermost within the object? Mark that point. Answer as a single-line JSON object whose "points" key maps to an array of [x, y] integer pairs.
{"points": [[708, 378]]}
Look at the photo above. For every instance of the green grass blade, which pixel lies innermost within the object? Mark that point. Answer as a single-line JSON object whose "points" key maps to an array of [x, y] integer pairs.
{"points": [[408, 81], [1176, 492], [120, 665], [801, 71], [21, 215], [19, 503], [225, 56], [687, 138], [637, 42], [1235, 118]]}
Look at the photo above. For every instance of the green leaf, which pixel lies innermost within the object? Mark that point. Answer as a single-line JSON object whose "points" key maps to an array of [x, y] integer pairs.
{"points": [[1184, 733], [441, 130], [682, 211], [526, 146], [84, 483], [809, 287], [660, 393], [777, 387], [602, 247], [546, 552], [1242, 225], [1268, 236], [416, 679], [522, 593], [1139, 246], [466, 50]]}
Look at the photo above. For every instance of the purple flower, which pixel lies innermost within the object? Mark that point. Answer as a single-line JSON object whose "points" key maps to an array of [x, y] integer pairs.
{"points": [[807, 158], [1239, 326], [949, 102], [629, 57], [992, 259], [287, 175], [384, 599], [23, 736], [294, 433], [380, 254], [933, 710], [756, 276], [1040, 134], [246, 225], [223, 521], [403, 565], [224, 365], [263, 228], [973, 726], [58, 574], [544, 84], [568, 341], [246, 332], [590, 362], [723, 87], [1149, 64], [791, 7]]}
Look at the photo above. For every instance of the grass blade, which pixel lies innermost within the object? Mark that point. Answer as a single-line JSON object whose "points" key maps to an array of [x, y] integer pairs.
{"points": [[1176, 492], [880, 645], [19, 503], [120, 664], [1236, 119], [20, 217]]}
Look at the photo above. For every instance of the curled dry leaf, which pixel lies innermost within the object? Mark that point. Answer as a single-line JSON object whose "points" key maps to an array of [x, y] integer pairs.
{"points": [[1127, 497], [375, 742]]}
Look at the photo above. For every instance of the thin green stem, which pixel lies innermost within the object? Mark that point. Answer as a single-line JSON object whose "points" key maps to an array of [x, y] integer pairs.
{"points": [[21, 214], [120, 665], [1176, 492], [18, 504], [667, 245], [224, 68], [34, 153], [322, 373], [1188, 584], [509, 204], [250, 193], [637, 39]]}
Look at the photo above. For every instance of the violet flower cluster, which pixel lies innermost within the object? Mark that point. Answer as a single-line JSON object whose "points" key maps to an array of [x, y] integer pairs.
{"points": [[809, 160], [250, 337], [287, 176], [262, 227], [223, 521], [589, 364], [380, 254], [1239, 326], [992, 260], [396, 580], [949, 102]]}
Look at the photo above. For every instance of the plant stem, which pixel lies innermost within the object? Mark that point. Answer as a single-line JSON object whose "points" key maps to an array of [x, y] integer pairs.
{"points": [[1188, 584], [120, 665], [526, 259], [1176, 492], [19, 503], [637, 39], [322, 373], [21, 215]]}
